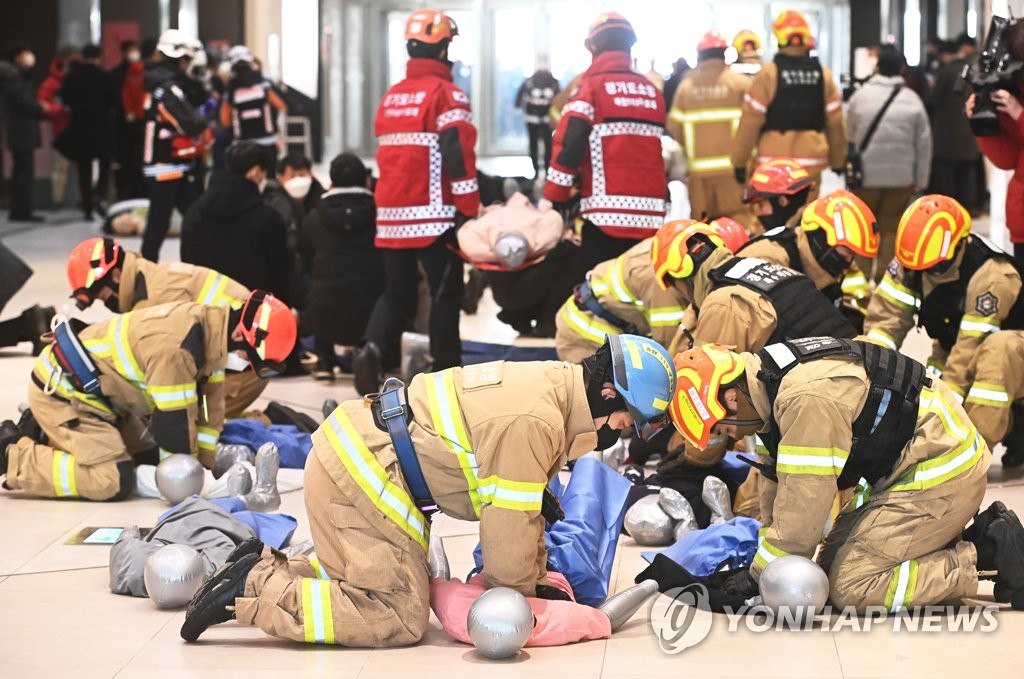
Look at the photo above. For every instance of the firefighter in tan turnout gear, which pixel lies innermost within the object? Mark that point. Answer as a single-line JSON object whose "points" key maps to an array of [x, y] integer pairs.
{"points": [[90, 389], [793, 108], [843, 414], [967, 295], [479, 443], [743, 302], [704, 117], [100, 268]]}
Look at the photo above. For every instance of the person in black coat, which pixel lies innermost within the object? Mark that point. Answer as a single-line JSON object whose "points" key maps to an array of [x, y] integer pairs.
{"points": [[336, 244], [23, 113], [231, 230], [89, 92]]}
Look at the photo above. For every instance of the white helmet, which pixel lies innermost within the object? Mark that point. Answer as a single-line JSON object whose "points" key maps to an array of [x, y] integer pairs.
{"points": [[239, 53], [511, 249], [174, 44]]}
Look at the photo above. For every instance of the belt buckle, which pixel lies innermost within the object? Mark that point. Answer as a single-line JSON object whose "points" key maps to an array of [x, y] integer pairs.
{"points": [[389, 413]]}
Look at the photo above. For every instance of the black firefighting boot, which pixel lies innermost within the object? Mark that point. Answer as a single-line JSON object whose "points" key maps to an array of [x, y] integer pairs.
{"points": [[214, 603]]}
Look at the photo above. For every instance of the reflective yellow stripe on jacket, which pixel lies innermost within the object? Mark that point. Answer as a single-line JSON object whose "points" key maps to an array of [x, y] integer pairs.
{"points": [[691, 119], [318, 568], [963, 458], [364, 469], [811, 460], [585, 324], [174, 396], [45, 370], [879, 336], [523, 496], [767, 552], [897, 293], [978, 326], [213, 292], [317, 616], [446, 416], [207, 438], [988, 394]]}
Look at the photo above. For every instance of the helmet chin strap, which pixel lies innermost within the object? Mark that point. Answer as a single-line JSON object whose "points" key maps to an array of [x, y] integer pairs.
{"points": [[743, 405]]}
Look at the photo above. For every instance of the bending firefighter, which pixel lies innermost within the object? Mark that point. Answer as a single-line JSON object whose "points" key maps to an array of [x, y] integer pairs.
{"points": [[843, 414], [100, 268], [91, 388], [967, 295], [453, 441]]}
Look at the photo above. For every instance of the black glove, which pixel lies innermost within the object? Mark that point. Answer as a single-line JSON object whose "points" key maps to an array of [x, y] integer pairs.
{"points": [[670, 575], [742, 584], [741, 175], [552, 593]]}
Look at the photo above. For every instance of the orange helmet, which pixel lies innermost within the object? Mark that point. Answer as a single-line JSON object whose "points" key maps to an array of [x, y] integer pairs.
{"points": [[430, 26], [746, 41], [791, 28], [700, 375], [712, 40], [605, 23], [844, 219], [673, 255], [89, 266], [732, 233], [930, 231], [780, 177], [269, 330]]}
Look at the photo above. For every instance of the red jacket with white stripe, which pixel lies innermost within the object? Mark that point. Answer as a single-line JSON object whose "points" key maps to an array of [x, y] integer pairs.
{"points": [[610, 132], [425, 156]]}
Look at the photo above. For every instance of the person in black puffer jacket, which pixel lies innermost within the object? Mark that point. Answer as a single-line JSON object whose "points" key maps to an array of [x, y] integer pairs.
{"points": [[337, 249], [230, 229]]}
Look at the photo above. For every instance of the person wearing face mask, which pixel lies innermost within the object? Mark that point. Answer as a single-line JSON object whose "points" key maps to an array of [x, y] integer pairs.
{"points": [[177, 132], [230, 229], [777, 192], [838, 414], [23, 113], [832, 230], [742, 302], [295, 172], [91, 388], [453, 441], [101, 269], [966, 294]]}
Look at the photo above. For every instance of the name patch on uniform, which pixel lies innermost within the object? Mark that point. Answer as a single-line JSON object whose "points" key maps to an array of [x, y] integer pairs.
{"points": [[482, 375], [987, 304]]}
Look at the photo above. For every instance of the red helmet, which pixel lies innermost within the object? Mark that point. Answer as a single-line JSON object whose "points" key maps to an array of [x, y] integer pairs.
{"points": [[269, 329], [780, 177], [89, 267], [732, 233], [609, 22], [712, 40]]}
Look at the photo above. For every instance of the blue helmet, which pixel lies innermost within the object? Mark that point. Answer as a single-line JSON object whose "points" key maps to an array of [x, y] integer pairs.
{"points": [[643, 374]]}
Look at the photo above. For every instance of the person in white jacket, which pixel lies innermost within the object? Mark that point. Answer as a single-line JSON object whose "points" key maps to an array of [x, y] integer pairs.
{"points": [[897, 160]]}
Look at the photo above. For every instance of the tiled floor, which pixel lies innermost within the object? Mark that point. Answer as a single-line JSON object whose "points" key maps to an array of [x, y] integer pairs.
{"points": [[57, 617]]}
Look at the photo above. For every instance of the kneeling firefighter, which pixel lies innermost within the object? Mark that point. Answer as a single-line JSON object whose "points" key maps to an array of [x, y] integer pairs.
{"points": [[92, 386], [100, 268], [479, 443], [841, 414]]}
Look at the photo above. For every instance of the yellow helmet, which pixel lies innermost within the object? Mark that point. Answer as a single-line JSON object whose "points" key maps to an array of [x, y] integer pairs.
{"points": [[846, 220], [791, 28], [746, 41], [700, 375]]}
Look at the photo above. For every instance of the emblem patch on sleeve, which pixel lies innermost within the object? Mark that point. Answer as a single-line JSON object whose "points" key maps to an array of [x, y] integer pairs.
{"points": [[987, 304]]}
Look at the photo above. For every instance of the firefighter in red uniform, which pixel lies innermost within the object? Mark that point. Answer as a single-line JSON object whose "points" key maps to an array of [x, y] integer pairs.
{"points": [[610, 134], [427, 189]]}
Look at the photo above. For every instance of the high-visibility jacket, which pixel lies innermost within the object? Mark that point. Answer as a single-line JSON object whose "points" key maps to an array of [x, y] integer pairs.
{"points": [[610, 133], [425, 140], [624, 286], [166, 361], [816, 405], [988, 290], [816, 147], [169, 114], [251, 112], [488, 437], [705, 115], [144, 284]]}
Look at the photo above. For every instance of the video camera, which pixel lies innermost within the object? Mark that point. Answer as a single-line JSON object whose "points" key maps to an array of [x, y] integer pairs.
{"points": [[997, 68]]}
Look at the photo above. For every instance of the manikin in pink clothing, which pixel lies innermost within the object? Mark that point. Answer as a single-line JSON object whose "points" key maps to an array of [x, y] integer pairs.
{"points": [[556, 622]]}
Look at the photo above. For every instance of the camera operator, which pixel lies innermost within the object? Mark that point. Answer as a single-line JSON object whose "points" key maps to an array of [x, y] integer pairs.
{"points": [[1006, 151]]}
